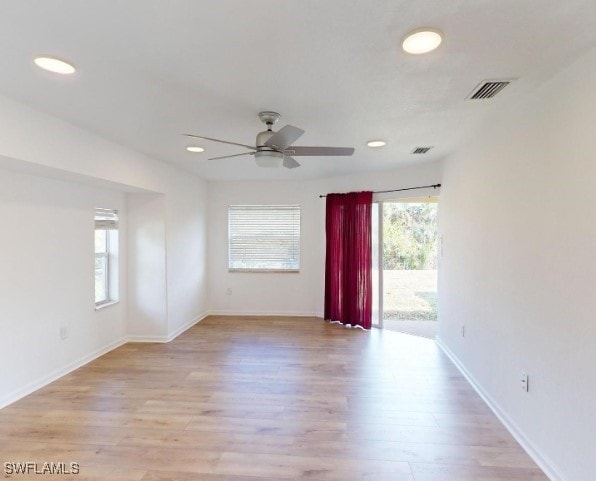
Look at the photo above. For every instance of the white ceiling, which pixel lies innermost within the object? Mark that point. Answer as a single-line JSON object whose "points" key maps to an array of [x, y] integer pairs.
{"points": [[150, 70]]}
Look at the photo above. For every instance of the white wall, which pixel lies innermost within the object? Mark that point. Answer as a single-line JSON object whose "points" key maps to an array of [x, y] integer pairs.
{"points": [[290, 293], [186, 237], [43, 141], [148, 301], [519, 267], [36, 144], [47, 281], [262, 293]]}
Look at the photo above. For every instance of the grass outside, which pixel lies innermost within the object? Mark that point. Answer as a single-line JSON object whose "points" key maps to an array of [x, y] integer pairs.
{"points": [[410, 295]]}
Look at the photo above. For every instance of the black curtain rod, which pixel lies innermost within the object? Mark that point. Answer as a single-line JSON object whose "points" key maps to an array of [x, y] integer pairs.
{"points": [[434, 186]]}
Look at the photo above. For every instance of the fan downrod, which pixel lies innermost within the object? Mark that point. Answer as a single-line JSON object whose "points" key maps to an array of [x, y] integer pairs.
{"points": [[269, 118]]}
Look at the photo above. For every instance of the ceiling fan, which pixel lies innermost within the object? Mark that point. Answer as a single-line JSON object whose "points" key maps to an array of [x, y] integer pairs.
{"points": [[274, 149]]}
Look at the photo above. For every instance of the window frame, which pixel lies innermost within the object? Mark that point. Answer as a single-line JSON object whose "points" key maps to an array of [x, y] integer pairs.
{"points": [[248, 270], [107, 221], [106, 255]]}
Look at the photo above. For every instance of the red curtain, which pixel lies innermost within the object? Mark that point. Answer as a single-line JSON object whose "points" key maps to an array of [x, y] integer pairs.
{"points": [[348, 261]]}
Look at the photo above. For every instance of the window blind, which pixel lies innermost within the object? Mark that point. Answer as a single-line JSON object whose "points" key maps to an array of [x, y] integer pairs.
{"points": [[264, 237], [106, 219]]}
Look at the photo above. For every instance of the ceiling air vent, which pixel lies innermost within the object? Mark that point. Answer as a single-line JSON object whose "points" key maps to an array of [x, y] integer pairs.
{"points": [[421, 150], [488, 89]]}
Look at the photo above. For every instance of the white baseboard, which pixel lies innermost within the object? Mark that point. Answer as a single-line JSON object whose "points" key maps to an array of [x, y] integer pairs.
{"points": [[58, 373], [141, 338], [263, 313], [542, 461], [173, 335]]}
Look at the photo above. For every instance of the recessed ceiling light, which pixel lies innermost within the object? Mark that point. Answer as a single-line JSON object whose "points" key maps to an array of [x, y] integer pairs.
{"points": [[195, 149], [376, 143], [422, 40], [54, 65]]}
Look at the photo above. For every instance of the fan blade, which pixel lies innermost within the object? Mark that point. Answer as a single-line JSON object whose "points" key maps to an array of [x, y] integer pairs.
{"points": [[284, 137], [220, 141], [319, 151], [290, 163], [228, 156]]}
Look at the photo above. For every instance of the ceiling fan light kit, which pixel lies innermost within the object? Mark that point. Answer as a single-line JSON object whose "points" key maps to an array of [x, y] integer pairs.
{"points": [[266, 158], [275, 149]]}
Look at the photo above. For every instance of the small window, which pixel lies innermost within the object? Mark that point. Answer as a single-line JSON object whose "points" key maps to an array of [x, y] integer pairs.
{"points": [[106, 255], [264, 238]]}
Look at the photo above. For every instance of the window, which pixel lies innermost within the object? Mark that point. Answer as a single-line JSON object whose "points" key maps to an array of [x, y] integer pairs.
{"points": [[106, 249], [264, 238]]}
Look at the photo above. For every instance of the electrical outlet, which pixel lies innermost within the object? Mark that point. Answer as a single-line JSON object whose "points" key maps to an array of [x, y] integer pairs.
{"points": [[64, 333], [462, 330], [229, 291], [525, 382]]}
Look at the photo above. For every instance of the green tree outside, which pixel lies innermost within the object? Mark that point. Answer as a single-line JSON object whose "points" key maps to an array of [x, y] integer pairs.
{"points": [[409, 236]]}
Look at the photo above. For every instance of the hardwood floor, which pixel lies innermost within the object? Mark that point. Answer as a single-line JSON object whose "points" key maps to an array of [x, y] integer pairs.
{"points": [[245, 399]]}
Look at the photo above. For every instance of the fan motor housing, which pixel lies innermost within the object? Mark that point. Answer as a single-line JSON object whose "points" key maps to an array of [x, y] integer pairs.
{"points": [[263, 137]]}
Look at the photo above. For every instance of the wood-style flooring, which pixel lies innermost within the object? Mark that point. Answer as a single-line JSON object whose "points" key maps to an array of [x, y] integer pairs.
{"points": [[247, 399]]}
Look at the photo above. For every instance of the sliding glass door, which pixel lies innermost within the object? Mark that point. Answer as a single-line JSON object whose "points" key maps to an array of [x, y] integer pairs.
{"points": [[405, 266]]}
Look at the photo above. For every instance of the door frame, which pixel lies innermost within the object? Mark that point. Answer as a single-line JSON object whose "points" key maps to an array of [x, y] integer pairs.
{"points": [[379, 207]]}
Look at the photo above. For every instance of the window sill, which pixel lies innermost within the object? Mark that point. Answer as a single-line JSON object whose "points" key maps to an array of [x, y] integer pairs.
{"points": [[105, 304], [266, 271]]}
